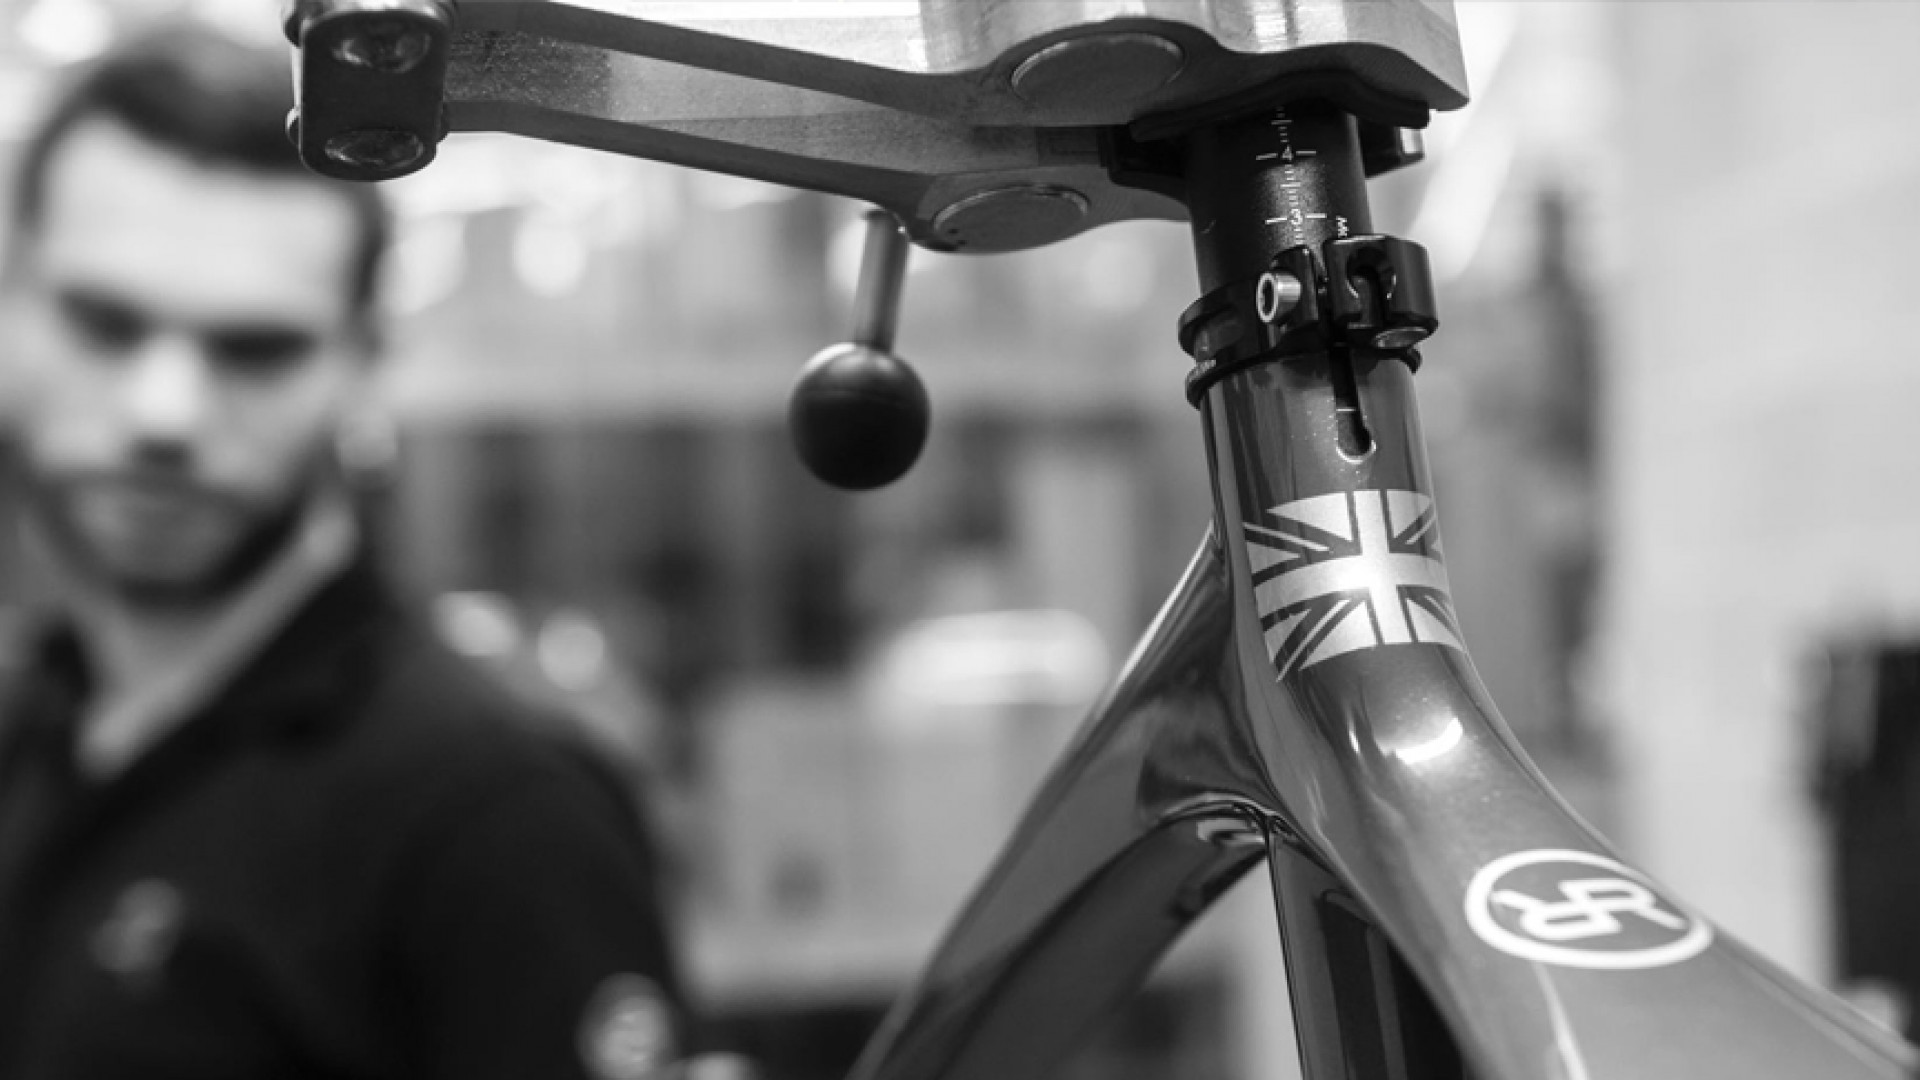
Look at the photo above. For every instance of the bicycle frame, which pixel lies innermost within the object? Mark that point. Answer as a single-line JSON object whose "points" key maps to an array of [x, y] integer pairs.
{"points": [[1304, 696]]}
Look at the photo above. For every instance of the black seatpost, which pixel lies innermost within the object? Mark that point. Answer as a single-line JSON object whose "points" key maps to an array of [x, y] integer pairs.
{"points": [[1286, 178], [1304, 340], [1283, 240]]}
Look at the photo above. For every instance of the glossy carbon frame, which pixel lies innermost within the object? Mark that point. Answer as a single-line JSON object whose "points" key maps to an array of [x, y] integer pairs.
{"points": [[1361, 757], [1304, 696]]}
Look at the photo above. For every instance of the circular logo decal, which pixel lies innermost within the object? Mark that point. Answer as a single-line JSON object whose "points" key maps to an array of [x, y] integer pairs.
{"points": [[1581, 910], [627, 1030]]}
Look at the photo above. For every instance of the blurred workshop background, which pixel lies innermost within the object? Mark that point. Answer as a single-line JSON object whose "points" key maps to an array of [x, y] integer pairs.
{"points": [[1671, 418]]}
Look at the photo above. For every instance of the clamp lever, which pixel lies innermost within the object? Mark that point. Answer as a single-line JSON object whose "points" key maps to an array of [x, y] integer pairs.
{"points": [[858, 413]]}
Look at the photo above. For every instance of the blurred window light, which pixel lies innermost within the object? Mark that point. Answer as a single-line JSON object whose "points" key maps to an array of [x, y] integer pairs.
{"points": [[66, 31], [1458, 210], [429, 262], [481, 625], [1116, 274], [574, 179], [253, 21], [572, 651], [550, 255], [718, 191], [20, 105], [623, 220], [994, 659], [1487, 33], [1473, 148], [577, 202], [473, 175], [479, 172]]}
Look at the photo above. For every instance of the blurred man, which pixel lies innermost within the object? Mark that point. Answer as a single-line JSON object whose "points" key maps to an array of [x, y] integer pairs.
{"points": [[253, 821]]}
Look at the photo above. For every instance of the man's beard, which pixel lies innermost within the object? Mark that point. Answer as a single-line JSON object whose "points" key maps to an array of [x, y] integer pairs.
{"points": [[264, 532]]}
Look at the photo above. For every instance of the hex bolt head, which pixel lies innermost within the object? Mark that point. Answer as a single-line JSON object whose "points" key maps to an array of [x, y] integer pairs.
{"points": [[391, 46], [1277, 294], [377, 152]]}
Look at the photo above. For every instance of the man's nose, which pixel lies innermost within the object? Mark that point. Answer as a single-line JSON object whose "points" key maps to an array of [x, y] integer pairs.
{"points": [[168, 390]]}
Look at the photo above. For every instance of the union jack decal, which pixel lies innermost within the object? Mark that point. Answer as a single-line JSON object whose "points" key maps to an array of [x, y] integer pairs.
{"points": [[1335, 574]]}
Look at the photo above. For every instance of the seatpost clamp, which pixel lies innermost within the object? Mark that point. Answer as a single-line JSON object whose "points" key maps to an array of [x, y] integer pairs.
{"points": [[1372, 293]]}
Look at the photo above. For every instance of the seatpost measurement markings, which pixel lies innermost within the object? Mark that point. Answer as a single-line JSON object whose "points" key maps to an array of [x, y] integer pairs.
{"points": [[1296, 215]]}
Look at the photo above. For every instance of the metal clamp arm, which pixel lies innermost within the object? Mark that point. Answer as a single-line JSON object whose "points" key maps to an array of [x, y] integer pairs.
{"points": [[983, 126]]}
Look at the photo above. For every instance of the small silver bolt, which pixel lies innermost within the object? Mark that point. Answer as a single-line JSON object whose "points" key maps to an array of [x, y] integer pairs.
{"points": [[381, 151], [1277, 294], [389, 46]]}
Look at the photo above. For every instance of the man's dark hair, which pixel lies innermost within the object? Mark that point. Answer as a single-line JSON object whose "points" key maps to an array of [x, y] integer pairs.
{"points": [[207, 97]]}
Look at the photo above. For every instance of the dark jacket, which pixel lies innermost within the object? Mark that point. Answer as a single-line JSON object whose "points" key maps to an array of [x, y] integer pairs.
{"points": [[358, 862]]}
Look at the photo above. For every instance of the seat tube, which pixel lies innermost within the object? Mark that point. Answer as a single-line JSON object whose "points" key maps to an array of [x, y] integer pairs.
{"points": [[1319, 447], [1315, 456]]}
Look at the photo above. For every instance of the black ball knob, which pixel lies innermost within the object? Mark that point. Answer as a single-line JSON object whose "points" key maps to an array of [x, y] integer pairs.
{"points": [[858, 416]]}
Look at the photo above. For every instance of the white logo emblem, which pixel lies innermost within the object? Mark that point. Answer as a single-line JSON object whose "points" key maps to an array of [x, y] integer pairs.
{"points": [[140, 933], [627, 1030], [1334, 574], [1581, 910]]}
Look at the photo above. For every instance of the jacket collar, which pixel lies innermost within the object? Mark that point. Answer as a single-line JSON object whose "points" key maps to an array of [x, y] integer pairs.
{"points": [[302, 686], [293, 685]]}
